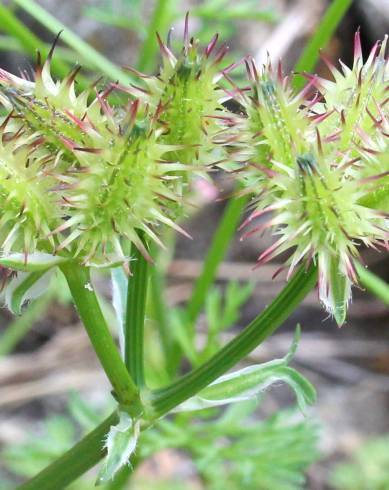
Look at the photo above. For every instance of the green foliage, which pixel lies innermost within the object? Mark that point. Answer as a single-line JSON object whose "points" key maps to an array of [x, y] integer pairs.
{"points": [[57, 434], [368, 468], [237, 451], [98, 149], [25, 287], [230, 449], [249, 383], [221, 313]]}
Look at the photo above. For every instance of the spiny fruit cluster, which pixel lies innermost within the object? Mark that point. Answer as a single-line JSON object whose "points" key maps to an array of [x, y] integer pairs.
{"points": [[319, 167], [78, 176]]}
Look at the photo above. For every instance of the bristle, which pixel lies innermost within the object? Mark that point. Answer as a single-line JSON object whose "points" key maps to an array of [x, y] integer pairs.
{"points": [[53, 46]]}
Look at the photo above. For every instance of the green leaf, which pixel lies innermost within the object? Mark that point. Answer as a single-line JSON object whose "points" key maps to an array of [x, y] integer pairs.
{"points": [[37, 261], [120, 444], [159, 22], [25, 287], [249, 382], [110, 262], [254, 334]]}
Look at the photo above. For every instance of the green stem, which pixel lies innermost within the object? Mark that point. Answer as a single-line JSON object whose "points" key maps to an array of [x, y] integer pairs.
{"points": [[216, 252], [75, 462], [324, 31], [373, 283], [88, 307], [87, 453], [135, 318], [158, 22], [254, 334], [158, 285], [158, 301]]}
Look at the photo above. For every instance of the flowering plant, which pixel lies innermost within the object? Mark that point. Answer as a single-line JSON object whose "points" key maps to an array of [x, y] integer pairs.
{"points": [[87, 184], [317, 167]]}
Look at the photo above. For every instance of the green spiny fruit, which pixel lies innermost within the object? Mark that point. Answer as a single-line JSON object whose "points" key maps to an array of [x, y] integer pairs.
{"points": [[309, 185], [124, 189], [271, 130], [89, 175], [188, 97], [29, 209]]}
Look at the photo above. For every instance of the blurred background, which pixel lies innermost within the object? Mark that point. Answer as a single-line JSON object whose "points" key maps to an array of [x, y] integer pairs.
{"points": [[46, 364]]}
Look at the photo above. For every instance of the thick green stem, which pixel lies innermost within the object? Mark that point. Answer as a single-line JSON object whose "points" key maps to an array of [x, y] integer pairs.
{"points": [[88, 452], [254, 334], [75, 462], [90, 313], [135, 318], [220, 243], [158, 301]]}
